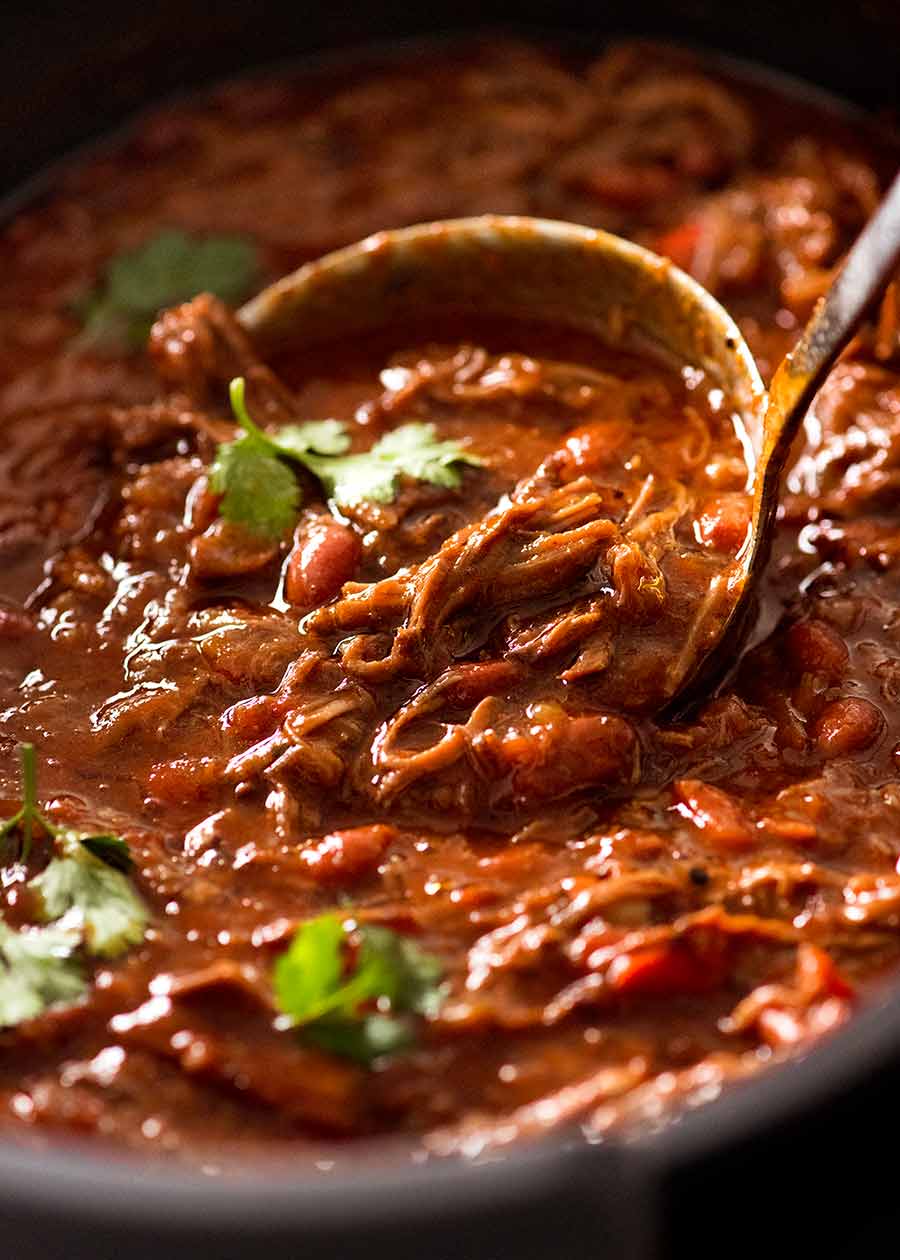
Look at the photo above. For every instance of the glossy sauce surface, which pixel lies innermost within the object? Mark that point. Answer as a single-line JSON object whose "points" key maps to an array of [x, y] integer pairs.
{"points": [[435, 711]]}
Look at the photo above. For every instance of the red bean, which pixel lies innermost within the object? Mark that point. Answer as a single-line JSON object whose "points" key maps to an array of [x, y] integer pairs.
{"points": [[813, 647], [595, 446], [324, 556], [723, 522], [847, 726], [348, 854]]}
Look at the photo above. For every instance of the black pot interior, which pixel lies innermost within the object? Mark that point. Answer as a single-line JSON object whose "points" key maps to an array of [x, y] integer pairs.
{"points": [[69, 72]]}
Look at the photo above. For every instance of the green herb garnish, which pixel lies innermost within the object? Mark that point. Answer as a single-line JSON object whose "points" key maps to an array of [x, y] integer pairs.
{"points": [[258, 489], [260, 492], [28, 816], [171, 267], [112, 850], [368, 1012], [85, 897], [39, 968], [81, 886]]}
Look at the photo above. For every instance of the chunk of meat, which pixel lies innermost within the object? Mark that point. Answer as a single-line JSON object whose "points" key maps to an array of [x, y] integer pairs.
{"points": [[553, 752], [817, 1000], [226, 550]]}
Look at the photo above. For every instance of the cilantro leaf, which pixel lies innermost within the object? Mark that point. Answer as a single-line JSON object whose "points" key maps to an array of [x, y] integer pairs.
{"points": [[324, 437], [170, 267], [309, 973], [259, 491], [414, 975], [112, 850], [362, 1039], [327, 437], [93, 894], [85, 897], [366, 1013], [413, 450], [38, 969]]}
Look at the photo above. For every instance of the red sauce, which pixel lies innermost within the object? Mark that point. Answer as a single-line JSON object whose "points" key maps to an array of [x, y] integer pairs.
{"points": [[438, 710]]}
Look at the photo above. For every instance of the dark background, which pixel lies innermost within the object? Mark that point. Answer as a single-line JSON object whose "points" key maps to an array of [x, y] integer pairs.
{"points": [[70, 69], [826, 1184]]}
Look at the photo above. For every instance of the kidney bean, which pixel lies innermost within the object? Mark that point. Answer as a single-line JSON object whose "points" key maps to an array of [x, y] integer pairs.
{"points": [[595, 446], [847, 726], [561, 752], [723, 522], [348, 854], [324, 556], [814, 647]]}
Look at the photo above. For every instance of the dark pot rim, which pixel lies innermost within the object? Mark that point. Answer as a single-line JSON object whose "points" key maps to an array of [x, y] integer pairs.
{"points": [[378, 1187]]}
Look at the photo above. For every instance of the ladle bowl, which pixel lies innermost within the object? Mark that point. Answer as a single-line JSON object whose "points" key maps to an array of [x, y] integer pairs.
{"points": [[522, 268]]}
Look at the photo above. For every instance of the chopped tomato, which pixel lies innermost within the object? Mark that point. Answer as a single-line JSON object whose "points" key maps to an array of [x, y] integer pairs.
{"points": [[715, 813], [664, 970], [680, 243]]}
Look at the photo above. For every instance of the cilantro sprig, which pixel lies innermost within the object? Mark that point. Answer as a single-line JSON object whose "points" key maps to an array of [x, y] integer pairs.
{"points": [[28, 815], [170, 267], [39, 968], [368, 1010], [260, 492], [81, 887], [84, 898]]}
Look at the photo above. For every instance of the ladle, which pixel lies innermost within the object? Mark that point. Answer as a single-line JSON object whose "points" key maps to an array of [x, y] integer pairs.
{"points": [[524, 268]]}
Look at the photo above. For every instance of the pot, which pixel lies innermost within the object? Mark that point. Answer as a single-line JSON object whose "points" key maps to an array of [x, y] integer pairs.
{"points": [[776, 1161]]}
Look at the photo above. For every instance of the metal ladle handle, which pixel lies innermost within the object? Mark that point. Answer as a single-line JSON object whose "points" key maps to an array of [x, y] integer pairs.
{"points": [[860, 282]]}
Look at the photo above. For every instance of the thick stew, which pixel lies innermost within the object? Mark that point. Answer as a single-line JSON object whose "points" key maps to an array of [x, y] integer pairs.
{"points": [[335, 801]]}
